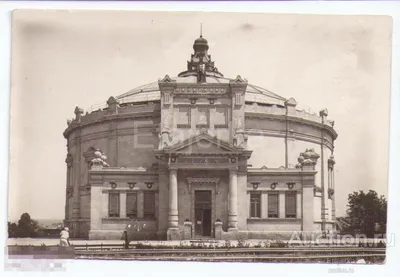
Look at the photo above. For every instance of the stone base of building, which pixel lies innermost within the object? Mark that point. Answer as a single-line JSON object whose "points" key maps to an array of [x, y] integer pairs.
{"points": [[106, 234], [177, 234], [174, 234]]}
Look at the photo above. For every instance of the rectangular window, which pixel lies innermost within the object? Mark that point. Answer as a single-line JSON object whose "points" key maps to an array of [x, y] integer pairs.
{"points": [[290, 204], [113, 204], [182, 117], [220, 118], [255, 205], [273, 205], [131, 204], [202, 117], [149, 205]]}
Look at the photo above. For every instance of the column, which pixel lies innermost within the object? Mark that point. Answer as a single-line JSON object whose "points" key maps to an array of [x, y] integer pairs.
{"points": [[122, 204], [298, 204], [232, 212], [282, 210], [173, 199]]}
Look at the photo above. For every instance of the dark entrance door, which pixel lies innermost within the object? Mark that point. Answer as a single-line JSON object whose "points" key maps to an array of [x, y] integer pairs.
{"points": [[202, 202]]}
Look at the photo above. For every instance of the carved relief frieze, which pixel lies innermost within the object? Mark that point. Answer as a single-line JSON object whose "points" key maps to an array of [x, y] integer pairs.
{"points": [[200, 90], [203, 160], [203, 181]]}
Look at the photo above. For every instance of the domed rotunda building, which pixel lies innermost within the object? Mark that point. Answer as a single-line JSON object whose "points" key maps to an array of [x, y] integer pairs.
{"points": [[200, 156]]}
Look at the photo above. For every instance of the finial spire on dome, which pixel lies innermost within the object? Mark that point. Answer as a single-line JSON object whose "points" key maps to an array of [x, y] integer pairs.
{"points": [[201, 61]]}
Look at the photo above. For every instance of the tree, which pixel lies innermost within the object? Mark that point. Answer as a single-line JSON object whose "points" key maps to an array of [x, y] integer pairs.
{"points": [[12, 230], [366, 211], [27, 227]]}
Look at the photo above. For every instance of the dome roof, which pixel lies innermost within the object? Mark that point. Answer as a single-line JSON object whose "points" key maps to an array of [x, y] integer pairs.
{"points": [[151, 92], [200, 59], [200, 42]]}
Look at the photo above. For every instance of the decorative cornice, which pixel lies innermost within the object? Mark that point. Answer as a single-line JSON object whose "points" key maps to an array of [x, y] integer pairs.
{"points": [[111, 117], [296, 136], [292, 119]]}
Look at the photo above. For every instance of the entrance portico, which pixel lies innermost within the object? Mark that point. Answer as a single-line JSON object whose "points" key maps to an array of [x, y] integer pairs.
{"points": [[201, 162]]}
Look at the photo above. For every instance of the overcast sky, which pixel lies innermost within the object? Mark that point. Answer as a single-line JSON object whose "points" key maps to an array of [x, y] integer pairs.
{"points": [[65, 59]]}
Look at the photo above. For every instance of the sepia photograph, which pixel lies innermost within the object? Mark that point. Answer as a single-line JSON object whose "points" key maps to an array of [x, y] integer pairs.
{"points": [[199, 136]]}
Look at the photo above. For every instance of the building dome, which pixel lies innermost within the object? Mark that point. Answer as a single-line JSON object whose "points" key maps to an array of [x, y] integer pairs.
{"points": [[151, 92], [200, 43]]}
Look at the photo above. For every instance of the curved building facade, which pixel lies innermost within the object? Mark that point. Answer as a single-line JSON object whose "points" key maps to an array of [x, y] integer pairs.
{"points": [[200, 155]]}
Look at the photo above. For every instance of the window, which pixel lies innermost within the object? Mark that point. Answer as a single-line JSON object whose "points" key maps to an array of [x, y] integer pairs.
{"points": [[273, 205], [113, 204], [290, 204], [220, 117], [255, 205], [131, 205], [183, 117], [202, 118], [149, 205]]}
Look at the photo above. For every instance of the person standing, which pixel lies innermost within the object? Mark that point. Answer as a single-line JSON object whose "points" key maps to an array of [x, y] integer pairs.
{"points": [[64, 237]]}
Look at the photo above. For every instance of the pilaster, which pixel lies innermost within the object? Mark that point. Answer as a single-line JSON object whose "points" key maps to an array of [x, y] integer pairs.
{"points": [[140, 200], [264, 205], [282, 204], [122, 204], [298, 204]]}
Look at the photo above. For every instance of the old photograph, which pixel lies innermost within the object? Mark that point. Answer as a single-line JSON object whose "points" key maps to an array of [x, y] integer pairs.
{"points": [[176, 136]]}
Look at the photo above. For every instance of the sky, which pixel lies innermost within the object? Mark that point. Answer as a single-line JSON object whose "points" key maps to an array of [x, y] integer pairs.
{"points": [[63, 59]]}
